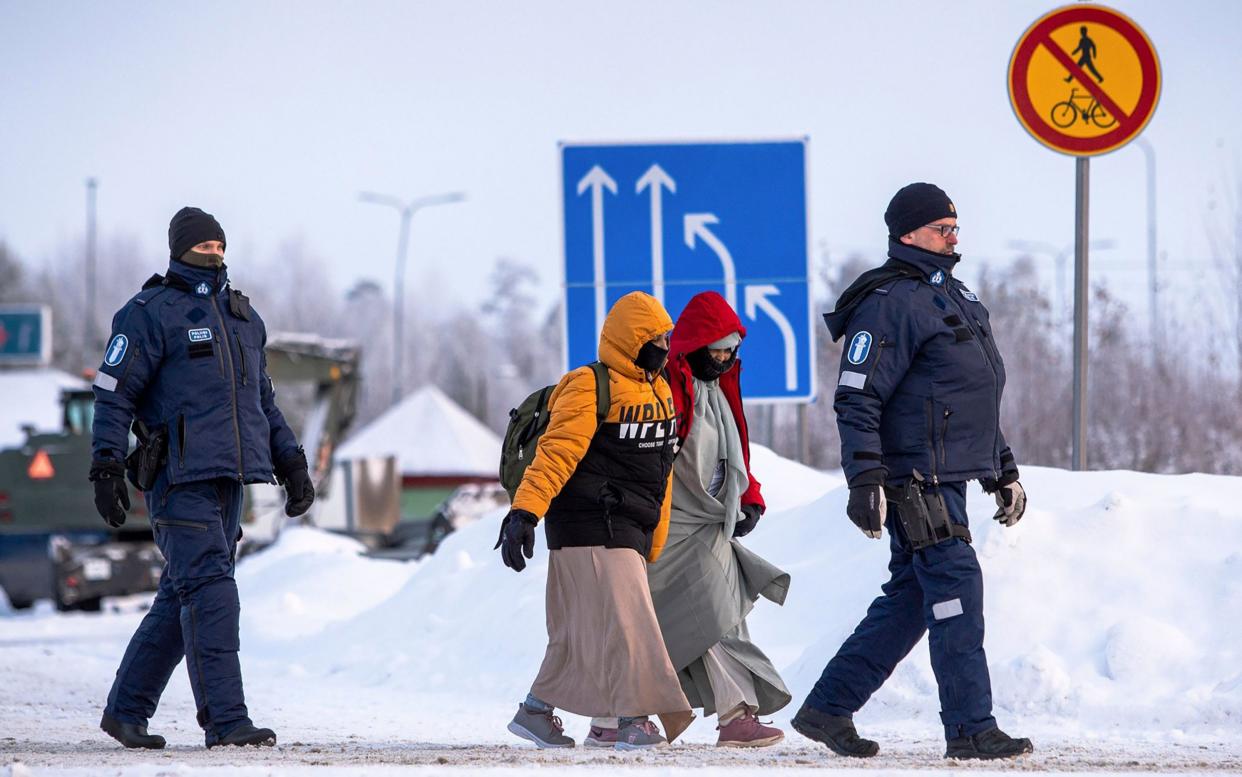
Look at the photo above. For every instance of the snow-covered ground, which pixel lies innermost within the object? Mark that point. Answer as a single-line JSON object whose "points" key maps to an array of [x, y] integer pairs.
{"points": [[1114, 616]]}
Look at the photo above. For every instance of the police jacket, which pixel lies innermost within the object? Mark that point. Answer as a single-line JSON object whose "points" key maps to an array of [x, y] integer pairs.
{"points": [[186, 353], [921, 378], [608, 483]]}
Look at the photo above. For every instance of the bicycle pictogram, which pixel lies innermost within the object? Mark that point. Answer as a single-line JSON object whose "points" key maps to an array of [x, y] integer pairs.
{"points": [[1065, 113]]}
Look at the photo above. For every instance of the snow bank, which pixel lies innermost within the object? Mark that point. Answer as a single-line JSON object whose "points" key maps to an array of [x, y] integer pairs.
{"points": [[310, 579], [1115, 605]]}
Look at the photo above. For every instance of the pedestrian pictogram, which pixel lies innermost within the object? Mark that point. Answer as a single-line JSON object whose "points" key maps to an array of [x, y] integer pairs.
{"points": [[1084, 80]]}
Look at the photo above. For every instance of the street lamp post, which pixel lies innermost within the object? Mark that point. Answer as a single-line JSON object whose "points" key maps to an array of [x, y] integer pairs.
{"points": [[1149, 156], [89, 347], [407, 211], [1061, 255]]}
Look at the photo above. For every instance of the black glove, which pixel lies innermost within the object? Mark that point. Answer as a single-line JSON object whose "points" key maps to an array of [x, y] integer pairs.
{"points": [[866, 508], [1011, 499], [747, 524], [111, 493], [294, 474], [517, 537]]}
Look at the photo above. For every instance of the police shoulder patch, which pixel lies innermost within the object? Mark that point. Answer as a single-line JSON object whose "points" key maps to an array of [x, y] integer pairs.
{"points": [[200, 335], [202, 289], [969, 295], [859, 348], [936, 278], [116, 350]]}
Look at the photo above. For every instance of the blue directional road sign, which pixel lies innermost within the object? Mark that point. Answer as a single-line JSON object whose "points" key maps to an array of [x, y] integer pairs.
{"points": [[677, 219], [25, 335]]}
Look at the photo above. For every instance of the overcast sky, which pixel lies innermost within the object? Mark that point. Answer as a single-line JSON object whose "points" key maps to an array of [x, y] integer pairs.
{"points": [[274, 115]]}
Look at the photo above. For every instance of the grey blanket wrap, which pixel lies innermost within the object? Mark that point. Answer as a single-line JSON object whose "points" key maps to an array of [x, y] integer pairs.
{"points": [[705, 583]]}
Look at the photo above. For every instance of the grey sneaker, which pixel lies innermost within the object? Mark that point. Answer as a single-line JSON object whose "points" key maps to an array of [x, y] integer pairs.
{"points": [[542, 728], [639, 735]]}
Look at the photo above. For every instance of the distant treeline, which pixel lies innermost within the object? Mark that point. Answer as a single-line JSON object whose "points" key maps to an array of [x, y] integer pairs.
{"points": [[1151, 409]]}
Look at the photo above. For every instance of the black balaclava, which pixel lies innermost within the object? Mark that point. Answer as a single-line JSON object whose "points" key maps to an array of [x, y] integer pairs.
{"points": [[651, 356], [704, 367], [190, 227]]}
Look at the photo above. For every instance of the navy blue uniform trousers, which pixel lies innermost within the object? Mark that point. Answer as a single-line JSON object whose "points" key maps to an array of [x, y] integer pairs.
{"points": [[196, 610], [938, 590]]}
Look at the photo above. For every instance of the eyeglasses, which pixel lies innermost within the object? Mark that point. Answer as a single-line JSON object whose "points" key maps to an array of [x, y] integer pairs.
{"points": [[944, 229]]}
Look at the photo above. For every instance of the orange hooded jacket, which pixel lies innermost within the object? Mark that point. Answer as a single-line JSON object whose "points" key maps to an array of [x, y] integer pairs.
{"points": [[608, 485]]}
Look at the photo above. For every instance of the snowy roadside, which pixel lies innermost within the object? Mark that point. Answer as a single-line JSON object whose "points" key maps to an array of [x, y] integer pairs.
{"points": [[1110, 641]]}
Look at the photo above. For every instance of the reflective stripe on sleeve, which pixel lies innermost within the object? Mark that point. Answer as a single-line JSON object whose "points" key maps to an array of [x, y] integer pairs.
{"points": [[851, 379], [105, 381]]}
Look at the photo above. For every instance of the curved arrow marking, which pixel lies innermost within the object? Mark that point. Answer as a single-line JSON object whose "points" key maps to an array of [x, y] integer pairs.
{"points": [[696, 225], [597, 180], [657, 180], [757, 297]]}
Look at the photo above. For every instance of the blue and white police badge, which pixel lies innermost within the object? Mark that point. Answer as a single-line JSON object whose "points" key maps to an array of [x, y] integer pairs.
{"points": [[202, 289], [937, 278], [116, 350], [860, 347]]}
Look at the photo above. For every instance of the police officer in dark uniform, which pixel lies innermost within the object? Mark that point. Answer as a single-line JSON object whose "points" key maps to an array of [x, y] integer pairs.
{"points": [[185, 367], [918, 409]]}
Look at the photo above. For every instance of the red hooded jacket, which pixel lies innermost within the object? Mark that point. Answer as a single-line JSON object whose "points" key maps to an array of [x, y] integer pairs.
{"points": [[706, 319]]}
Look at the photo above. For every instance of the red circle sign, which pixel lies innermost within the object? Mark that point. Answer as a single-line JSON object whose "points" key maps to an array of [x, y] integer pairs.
{"points": [[1084, 80]]}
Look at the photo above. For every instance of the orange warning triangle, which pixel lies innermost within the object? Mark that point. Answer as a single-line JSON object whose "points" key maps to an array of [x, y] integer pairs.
{"points": [[41, 466]]}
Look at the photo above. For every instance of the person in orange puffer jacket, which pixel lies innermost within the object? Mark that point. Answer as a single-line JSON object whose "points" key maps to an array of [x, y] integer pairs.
{"points": [[603, 489]]}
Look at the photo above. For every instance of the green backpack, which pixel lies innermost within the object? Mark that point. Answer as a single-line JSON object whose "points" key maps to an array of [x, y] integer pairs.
{"points": [[528, 421]]}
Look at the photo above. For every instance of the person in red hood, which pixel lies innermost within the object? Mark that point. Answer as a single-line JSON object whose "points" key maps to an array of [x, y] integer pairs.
{"points": [[707, 582]]}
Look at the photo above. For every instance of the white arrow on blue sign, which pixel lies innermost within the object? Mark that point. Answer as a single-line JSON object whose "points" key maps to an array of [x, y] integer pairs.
{"points": [[676, 219]]}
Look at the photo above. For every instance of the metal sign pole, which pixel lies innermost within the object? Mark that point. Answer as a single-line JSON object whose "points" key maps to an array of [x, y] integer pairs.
{"points": [[1082, 180]]}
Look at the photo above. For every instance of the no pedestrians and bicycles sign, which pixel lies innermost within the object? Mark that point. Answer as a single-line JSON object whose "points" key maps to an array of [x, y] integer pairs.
{"points": [[1084, 80]]}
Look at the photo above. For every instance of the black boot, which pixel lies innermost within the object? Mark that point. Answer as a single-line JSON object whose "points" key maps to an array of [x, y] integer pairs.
{"points": [[989, 744], [130, 734], [835, 731], [247, 734]]}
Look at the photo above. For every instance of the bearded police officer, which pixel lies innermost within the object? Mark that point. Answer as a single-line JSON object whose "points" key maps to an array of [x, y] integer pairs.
{"points": [[185, 366], [918, 409]]}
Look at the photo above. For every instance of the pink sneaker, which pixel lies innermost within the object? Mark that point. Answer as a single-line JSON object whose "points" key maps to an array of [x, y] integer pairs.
{"points": [[747, 731], [601, 737]]}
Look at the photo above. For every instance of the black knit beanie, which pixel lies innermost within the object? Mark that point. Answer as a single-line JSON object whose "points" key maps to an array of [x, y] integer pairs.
{"points": [[190, 227], [916, 205]]}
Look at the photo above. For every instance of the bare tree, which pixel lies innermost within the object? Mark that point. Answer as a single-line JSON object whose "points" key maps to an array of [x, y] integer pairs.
{"points": [[13, 287]]}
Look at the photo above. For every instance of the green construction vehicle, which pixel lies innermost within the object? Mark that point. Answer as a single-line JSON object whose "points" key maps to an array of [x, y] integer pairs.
{"points": [[53, 544]]}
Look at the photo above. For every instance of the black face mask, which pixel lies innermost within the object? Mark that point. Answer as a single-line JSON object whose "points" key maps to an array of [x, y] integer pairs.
{"points": [[199, 259], [706, 368], [651, 357]]}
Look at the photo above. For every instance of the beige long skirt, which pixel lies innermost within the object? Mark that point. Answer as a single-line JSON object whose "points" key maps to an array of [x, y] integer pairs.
{"points": [[606, 657]]}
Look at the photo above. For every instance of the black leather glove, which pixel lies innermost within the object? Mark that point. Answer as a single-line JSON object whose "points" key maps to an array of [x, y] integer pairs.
{"points": [[866, 509], [111, 493], [517, 537], [749, 520], [294, 474]]}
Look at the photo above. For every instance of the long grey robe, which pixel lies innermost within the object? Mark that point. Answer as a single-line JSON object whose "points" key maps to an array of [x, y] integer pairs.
{"points": [[705, 582]]}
